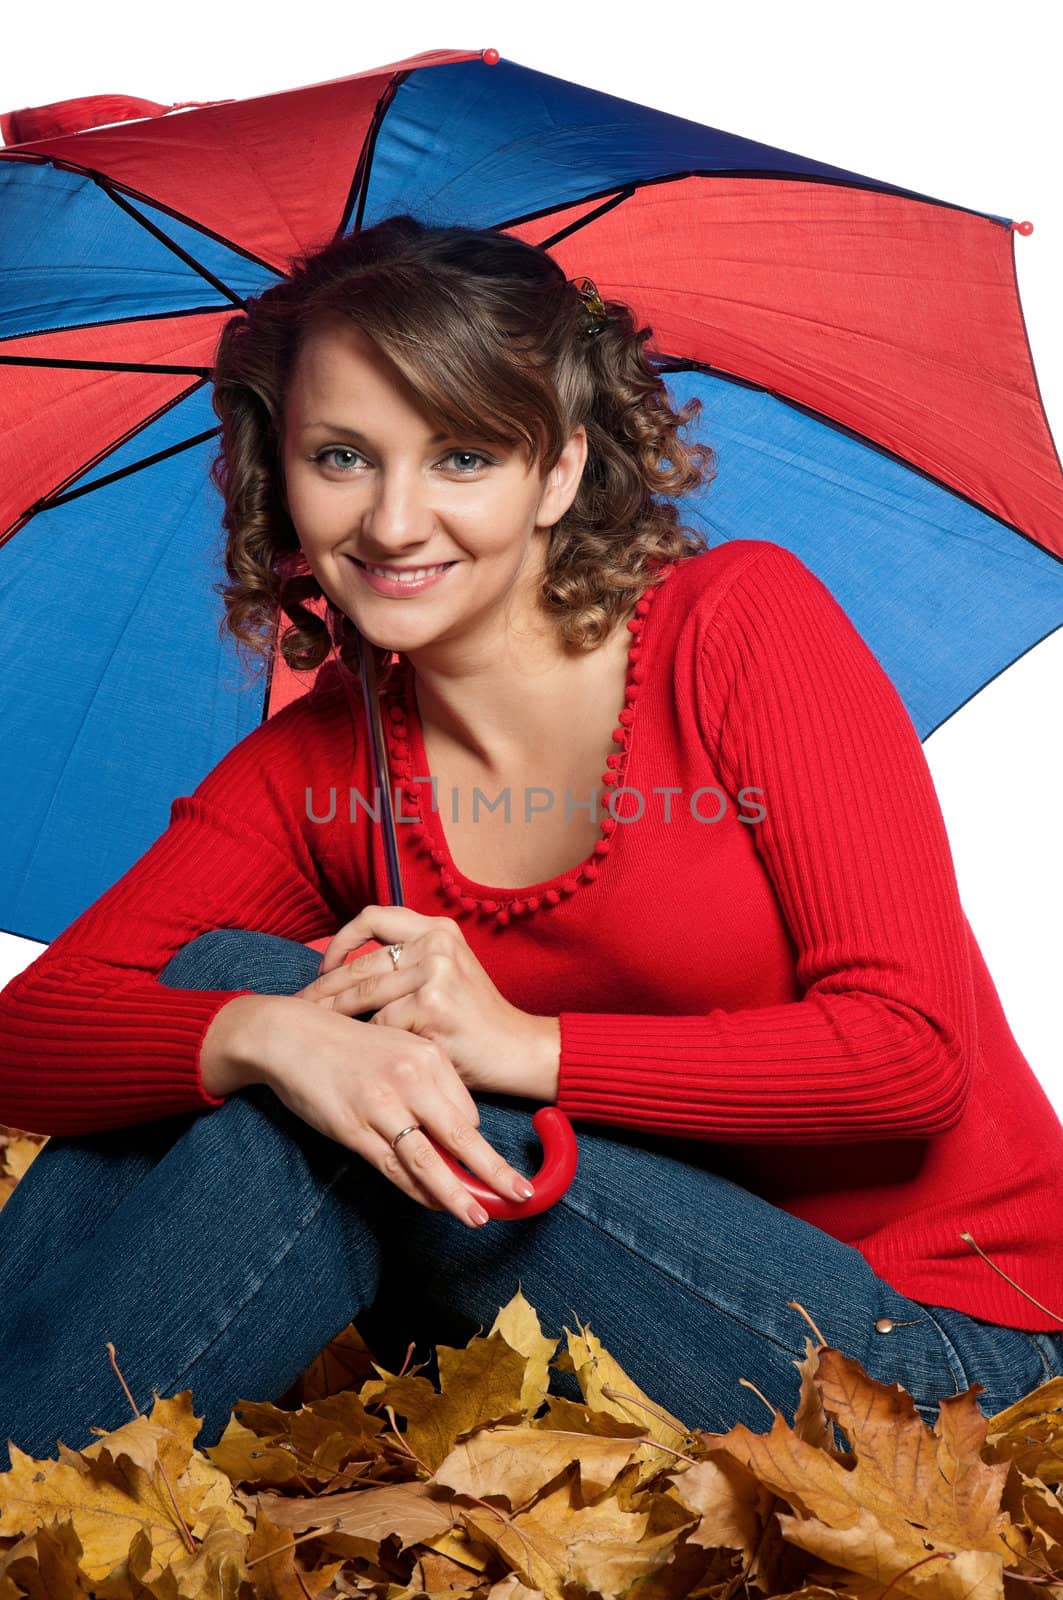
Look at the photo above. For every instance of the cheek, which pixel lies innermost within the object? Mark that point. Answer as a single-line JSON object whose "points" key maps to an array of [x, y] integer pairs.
{"points": [[318, 515]]}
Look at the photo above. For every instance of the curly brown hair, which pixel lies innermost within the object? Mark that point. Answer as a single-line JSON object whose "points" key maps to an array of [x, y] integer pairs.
{"points": [[499, 344]]}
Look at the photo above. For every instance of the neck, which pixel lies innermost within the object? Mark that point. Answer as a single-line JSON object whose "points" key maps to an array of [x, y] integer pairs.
{"points": [[506, 711]]}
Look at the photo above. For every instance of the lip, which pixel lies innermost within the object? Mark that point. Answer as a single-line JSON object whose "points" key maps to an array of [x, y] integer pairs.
{"points": [[397, 587]]}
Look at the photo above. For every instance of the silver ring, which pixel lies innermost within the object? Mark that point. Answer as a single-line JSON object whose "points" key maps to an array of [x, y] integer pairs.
{"points": [[393, 952], [403, 1132]]}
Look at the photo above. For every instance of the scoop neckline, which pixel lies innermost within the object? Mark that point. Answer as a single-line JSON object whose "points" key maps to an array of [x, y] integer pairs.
{"points": [[408, 759]]}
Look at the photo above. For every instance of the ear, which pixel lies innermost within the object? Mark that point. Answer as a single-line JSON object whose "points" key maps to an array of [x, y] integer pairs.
{"points": [[563, 481]]}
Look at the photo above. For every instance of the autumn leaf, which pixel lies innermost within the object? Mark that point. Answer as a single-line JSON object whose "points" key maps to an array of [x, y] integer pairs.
{"points": [[343, 1363], [559, 1543], [271, 1555], [110, 1498], [411, 1512], [44, 1565], [1030, 1433], [606, 1387], [518, 1324], [516, 1464], [17, 1151], [314, 1444], [480, 1384], [731, 1502], [908, 1498]]}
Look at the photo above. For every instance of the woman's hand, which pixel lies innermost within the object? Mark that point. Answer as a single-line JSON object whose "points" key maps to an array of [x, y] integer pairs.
{"points": [[361, 1085], [440, 992]]}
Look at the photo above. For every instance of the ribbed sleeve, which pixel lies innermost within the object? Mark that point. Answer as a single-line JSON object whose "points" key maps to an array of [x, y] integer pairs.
{"points": [[882, 1043], [89, 1039]]}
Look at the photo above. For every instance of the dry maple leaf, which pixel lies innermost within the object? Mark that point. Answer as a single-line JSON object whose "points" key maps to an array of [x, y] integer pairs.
{"points": [[480, 1384], [511, 1588], [364, 1518], [519, 1326], [1030, 1433], [516, 1464], [277, 1575], [44, 1565], [606, 1387], [731, 1502], [910, 1495], [314, 1444], [559, 1543], [344, 1363]]}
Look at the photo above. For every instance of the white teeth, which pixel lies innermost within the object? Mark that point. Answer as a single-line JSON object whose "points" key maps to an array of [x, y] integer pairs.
{"points": [[406, 577]]}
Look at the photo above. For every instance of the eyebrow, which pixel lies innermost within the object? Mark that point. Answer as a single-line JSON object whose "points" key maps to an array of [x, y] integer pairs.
{"points": [[352, 433]]}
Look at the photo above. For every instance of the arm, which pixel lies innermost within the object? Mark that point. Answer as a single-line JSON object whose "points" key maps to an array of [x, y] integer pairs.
{"points": [[89, 1039], [883, 1041]]}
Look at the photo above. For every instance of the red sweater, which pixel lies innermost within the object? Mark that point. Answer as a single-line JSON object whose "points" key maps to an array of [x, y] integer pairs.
{"points": [[786, 973]]}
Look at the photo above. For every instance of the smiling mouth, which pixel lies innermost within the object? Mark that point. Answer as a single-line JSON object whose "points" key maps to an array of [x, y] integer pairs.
{"points": [[397, 572]]}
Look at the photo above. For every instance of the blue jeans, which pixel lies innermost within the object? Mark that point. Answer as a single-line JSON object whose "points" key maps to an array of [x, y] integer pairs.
{"points": [[220, 1250]]}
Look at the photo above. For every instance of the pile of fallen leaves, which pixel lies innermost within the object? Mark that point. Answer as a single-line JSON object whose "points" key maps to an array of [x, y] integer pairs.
{"points": [[499, 1490]]}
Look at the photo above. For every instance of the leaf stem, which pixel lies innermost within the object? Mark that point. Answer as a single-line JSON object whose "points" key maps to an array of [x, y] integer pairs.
{"points": [[186, 1532], [795, 1305], [968, 1239], [281, 1549], [936, 1555], [747, 1385], [632, 1400]]}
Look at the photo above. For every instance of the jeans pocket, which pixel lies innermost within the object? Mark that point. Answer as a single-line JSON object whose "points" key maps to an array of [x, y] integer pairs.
{"points": [[1049, 1346], [908, 1344], [1006, 1362]]}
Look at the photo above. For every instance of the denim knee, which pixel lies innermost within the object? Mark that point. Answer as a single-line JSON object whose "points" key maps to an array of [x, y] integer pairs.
{"points": [[242, 958]]}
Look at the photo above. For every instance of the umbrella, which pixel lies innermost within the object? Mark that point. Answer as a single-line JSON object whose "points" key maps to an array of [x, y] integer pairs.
{"points": [[859, 349]]}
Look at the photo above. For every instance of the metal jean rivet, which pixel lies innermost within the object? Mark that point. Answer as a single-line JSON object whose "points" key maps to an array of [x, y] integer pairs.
{"points": [[884, 1325]]}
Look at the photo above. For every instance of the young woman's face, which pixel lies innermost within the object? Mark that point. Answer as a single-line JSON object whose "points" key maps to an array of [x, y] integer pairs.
{"points": [[369, 482]]}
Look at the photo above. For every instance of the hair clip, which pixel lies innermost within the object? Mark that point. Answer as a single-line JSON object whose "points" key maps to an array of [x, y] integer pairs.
{"points": [[587, 290]]}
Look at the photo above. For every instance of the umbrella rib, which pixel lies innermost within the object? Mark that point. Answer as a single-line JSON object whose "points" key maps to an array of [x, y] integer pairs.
{"points": [[359, 189], [581, 222], [109, 322], [47, 502], [102, 366], [667, 363], [171, 244], [709, 173]]}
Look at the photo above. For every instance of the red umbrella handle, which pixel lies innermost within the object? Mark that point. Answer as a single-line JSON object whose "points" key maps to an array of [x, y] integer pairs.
{"points": [[560, 1154], [560, 1157]]}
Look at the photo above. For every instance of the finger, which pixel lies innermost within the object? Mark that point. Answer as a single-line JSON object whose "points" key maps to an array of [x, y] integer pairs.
{"points": [[465, 1142], [421, 1165], [340, 946], [373, 991], [386, 924], [377, 1151], [465, 1106], [363, 966]]}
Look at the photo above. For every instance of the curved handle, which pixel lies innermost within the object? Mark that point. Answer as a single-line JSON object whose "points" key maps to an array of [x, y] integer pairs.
{"points": [[560, 1159]]}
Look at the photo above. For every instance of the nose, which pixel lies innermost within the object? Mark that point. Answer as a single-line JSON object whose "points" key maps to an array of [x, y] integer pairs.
{"points": [[398, 515]]}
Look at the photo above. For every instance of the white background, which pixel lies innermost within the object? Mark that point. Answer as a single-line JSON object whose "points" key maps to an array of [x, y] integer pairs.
{"points": [[957, 101]]}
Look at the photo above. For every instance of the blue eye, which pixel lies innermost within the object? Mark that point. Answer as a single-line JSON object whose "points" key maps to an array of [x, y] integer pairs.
{"points": [[346, 450], [334, 450], [475, 454]]}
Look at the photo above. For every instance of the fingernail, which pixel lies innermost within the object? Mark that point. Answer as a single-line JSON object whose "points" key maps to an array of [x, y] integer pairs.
{"points": [[478, 1215], [523, 1189]]}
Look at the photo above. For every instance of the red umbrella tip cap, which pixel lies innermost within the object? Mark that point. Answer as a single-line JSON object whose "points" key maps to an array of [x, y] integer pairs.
{"points": [[1023, 227], [491, 57]]}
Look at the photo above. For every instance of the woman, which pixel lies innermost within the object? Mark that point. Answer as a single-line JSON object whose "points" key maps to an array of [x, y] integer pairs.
{"points": [[792, 1072]]}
